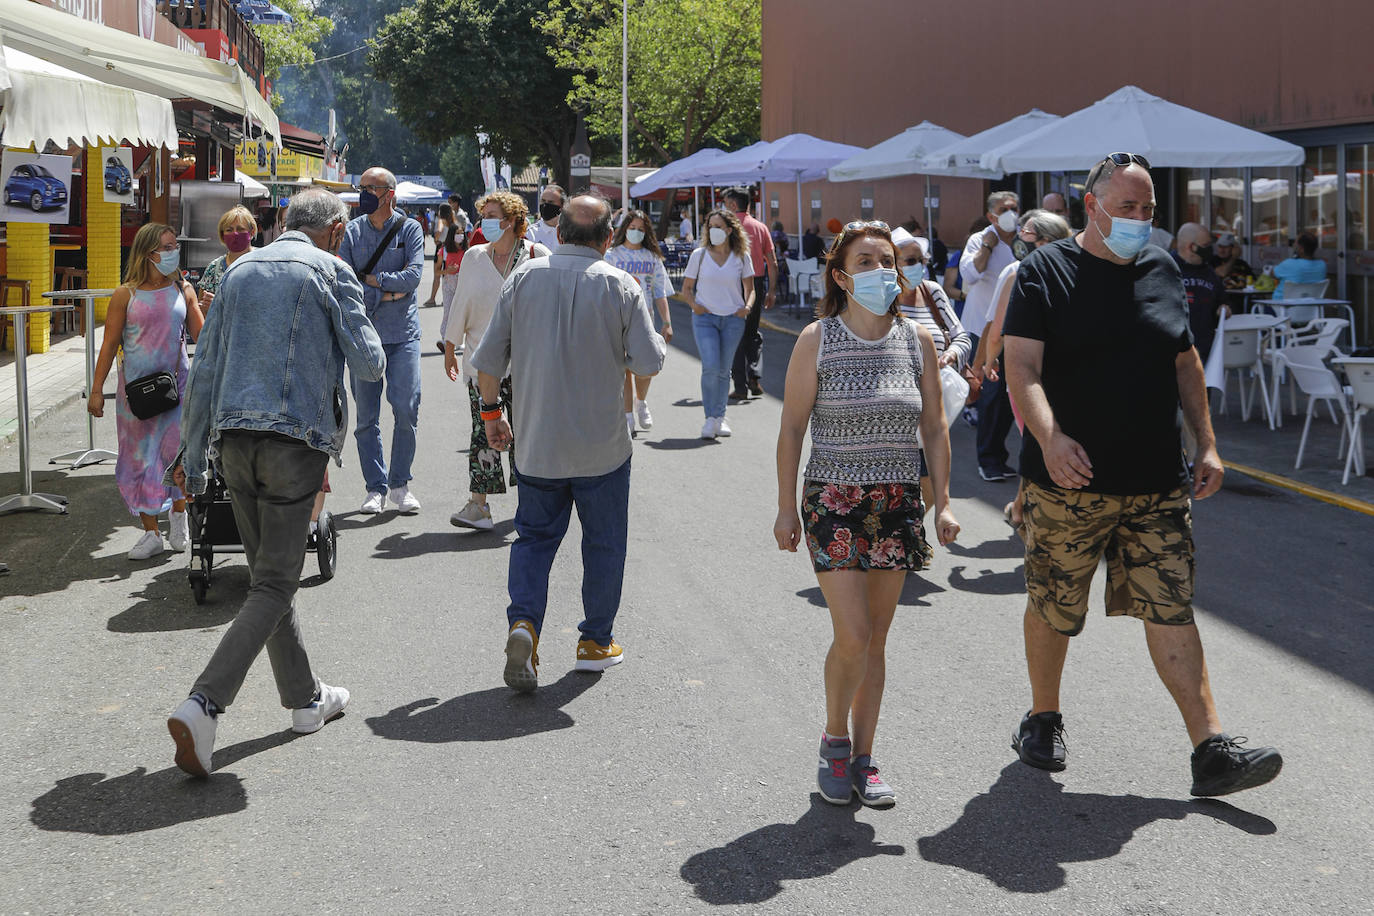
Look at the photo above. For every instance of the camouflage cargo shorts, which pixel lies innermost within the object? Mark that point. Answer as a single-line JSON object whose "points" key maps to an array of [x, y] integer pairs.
{"points": [[1147, 541]]}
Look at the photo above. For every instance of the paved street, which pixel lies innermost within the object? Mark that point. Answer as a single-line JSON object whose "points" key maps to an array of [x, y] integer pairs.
{"points": [[683, 780]]}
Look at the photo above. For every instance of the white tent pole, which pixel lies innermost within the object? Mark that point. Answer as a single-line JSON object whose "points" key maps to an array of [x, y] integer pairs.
{"points": [[800, 230], [930, 231]]}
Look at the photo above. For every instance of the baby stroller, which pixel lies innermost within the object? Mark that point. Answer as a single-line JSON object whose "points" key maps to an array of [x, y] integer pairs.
{"points": [[212, 524]]}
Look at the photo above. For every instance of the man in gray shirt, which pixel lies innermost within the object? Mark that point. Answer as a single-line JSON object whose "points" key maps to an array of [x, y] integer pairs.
{"points": [[567, 327]]}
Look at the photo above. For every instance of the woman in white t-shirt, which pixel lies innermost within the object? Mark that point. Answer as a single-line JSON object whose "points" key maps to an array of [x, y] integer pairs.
{"points": [[719, 286], [635, 251]]}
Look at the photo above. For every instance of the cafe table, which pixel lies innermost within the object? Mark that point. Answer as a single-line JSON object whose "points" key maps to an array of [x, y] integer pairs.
{"points": [[26, 500], [90, 454], [1281, 307]]}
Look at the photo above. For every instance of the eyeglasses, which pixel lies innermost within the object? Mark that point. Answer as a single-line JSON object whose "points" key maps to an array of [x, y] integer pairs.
{"points": [[375, 188], [174, 247], [1110, 163]]}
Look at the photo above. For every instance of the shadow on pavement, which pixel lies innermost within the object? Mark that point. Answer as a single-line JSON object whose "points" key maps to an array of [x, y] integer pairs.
{"points": [[497, 714], [167, 602], [752, 868], [1020, 834], [914, 591], [139, 800], [677, 445], [402, 546], [987, 582]]}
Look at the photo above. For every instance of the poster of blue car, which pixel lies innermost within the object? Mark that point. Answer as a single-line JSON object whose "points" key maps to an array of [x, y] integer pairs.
{"points": [[117, 165], [37, 188]]}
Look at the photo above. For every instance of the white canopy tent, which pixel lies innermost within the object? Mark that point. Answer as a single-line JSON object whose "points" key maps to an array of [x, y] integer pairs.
{"points": [[897, 156], [1130, 119], [43, 102], [670, 175], [962, 158], [252, 188], [410, 193]]}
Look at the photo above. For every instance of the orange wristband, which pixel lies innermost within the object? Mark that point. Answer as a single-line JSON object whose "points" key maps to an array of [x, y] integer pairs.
{"points": [[489, 414]]}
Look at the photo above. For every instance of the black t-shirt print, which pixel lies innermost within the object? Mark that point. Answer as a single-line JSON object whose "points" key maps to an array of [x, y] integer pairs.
{"points": [[1112, 333], [1204, 291]]}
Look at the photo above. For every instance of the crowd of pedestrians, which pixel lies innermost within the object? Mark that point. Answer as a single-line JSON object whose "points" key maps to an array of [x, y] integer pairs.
{"points": [[548, 321]]}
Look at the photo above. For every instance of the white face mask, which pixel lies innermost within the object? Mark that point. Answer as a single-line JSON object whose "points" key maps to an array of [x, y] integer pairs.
{"points": [[1006, 220], [718, 235], [634, 236]]}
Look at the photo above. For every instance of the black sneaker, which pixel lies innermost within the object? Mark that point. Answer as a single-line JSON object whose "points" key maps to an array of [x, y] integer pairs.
{"points": [[756, 388], [1222, 766], [1008, 471], [991, 475], [1040, 740]]}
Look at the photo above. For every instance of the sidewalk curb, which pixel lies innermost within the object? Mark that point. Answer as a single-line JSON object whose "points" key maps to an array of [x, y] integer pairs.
{"points": [[1326, 496], [765, 323], [38, 418]]}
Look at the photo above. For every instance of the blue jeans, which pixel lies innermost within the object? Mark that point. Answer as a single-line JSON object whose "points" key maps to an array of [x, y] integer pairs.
{"points": [[718, 337], [541, 520], [403, 394]]}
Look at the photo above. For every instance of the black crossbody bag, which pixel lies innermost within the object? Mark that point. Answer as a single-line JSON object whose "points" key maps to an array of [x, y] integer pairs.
{"points": [[155, 393]]}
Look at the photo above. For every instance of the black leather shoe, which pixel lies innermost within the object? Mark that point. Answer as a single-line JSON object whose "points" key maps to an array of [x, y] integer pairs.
{"points": [[739, 395], [756, 388], [1040, 741], [1222, 765]]}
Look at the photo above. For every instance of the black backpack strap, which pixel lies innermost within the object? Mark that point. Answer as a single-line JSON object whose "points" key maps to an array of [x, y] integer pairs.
{"points": [[386, 240]]}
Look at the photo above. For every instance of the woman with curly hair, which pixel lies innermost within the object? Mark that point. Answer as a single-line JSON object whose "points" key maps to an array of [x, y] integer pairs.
{"points": [[485, 268], [859, 377], [719, 286], [634, 249]]}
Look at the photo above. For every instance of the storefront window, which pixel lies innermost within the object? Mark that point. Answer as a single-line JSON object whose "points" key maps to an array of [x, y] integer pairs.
{"points": [[1193, 193], [1269, 237], [1318, 202], [1359, 255], [1228, 202]]}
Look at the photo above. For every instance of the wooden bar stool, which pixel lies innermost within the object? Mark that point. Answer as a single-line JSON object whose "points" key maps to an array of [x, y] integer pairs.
{"points": [[5, 286], [70, 278]]}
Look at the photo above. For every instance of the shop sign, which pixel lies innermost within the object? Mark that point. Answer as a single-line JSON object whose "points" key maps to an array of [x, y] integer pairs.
{"points": [[581, 165], [212, 43], [37, 188]]}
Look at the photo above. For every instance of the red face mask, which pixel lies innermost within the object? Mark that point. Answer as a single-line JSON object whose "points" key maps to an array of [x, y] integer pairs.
{"points": [[238, 241]]}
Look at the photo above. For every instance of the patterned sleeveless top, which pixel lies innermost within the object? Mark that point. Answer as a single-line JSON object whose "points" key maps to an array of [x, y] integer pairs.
{"points": [[868, 406]]}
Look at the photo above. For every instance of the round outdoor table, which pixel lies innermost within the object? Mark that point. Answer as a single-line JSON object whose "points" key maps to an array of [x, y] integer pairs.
{"points": [[90, 454], [26, 499]]}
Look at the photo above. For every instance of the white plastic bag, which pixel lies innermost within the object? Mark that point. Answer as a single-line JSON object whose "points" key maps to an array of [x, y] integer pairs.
{"points": [[955, 389]]}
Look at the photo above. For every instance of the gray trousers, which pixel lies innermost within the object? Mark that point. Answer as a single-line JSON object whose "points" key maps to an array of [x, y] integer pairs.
{"points": [[272, 482]]}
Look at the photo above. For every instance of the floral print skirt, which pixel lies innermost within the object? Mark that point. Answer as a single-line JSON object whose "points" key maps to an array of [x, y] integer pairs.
{"points": [[873, 527]]}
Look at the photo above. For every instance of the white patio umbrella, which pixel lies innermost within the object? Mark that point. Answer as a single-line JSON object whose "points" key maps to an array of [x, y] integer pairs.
{"points": [[795, 158], [670, 175], [410, 192], [1167, 134], [897, 156], [961, 158]]}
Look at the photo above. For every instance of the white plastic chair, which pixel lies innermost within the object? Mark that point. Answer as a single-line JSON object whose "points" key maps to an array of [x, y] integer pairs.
{"points": [[1320, 335], [1359, 371], [1299, 316], [799, 274], [1306, 367], [1241, 336]]}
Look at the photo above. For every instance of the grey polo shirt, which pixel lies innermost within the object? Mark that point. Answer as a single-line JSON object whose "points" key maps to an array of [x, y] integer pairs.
{"points": [[567, 327]]}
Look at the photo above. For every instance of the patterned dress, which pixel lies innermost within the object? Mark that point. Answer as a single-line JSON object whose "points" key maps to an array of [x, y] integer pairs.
{"points": [[153, 341], [861, 502]]}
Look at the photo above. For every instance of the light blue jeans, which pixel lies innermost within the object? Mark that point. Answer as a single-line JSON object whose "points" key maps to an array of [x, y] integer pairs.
{"points": [[717, 337], [402, 386]]}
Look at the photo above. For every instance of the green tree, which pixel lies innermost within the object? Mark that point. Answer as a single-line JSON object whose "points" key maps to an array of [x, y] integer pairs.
{"points": [[460, 67], [693, 69], [460, 166], [293, 44]]}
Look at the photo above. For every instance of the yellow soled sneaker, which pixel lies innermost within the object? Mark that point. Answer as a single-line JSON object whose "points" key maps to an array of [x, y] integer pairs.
{"points": [[522, 657], [592, 656]]}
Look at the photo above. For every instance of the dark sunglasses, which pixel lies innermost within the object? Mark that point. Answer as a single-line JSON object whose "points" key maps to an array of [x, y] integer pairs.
{"points": [[857, 226], [1110, 163]]}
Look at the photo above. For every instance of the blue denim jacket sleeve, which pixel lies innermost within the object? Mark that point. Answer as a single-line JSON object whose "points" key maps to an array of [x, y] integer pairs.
{"points": [[197, 403], [362, 348], [407, 279]]}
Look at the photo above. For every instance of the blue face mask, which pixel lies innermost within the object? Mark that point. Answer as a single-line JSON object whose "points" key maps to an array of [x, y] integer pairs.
{"points": [[1128, 236], [875, 289], [368, 203], [168, 261], [491, 229], [634, 236], [914, 273]]}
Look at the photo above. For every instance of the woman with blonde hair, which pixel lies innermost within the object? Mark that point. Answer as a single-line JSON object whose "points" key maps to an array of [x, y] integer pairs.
{"points": [[719, 286], [236, 230], [485, 268], [149, 317], [634, 249]]}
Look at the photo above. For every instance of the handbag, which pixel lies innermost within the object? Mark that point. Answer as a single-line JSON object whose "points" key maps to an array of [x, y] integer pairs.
{"points": [[975, 384], [152, 395]]}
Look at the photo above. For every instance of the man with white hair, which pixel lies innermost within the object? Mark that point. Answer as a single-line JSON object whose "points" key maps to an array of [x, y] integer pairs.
{"points": [[1204, 289]]}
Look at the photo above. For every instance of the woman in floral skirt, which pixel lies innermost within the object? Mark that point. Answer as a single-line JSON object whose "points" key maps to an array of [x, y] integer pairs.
{"points": [[857, 376], [149, 316]]}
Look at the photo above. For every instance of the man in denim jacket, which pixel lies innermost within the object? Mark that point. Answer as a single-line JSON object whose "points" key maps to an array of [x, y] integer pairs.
{"points": [[265, 403], [389, 291]]}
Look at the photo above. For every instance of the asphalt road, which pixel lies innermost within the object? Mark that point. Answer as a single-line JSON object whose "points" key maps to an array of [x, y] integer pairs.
{"points": [[683, 780]]}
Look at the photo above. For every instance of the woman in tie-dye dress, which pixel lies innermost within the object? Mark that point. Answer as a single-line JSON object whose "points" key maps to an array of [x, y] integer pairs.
{"points": [[149, 316]]}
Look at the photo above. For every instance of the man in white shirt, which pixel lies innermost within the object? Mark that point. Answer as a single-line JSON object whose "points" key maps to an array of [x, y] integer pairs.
{"points": [[985, 255], [545, 229]]}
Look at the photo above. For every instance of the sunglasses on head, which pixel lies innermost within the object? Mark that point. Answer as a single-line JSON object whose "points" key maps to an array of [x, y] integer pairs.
{"points": [[857, 226], [1110, 163]]}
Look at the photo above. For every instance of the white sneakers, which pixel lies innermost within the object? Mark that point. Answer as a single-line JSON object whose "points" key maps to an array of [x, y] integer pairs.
{"points": [[404, 500], [709, 430], [722, 428], [193, 730], [330, 705], [373, 504], [472, 515], [179, 531], [148, 546], [646, 419]]}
